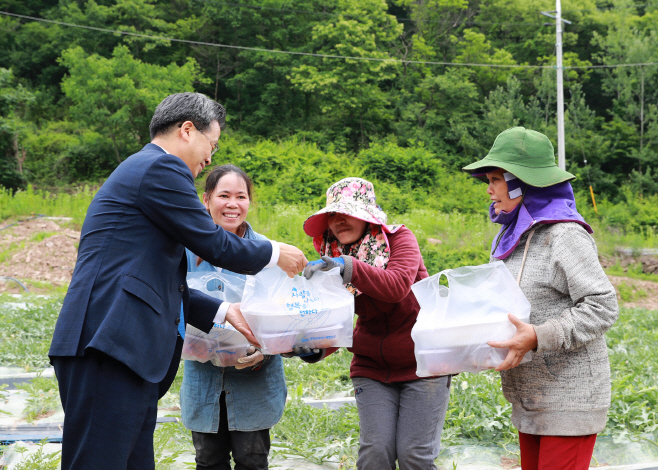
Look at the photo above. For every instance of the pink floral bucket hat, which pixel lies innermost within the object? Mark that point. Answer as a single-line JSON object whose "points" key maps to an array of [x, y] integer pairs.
{"points": [[350, 196]]}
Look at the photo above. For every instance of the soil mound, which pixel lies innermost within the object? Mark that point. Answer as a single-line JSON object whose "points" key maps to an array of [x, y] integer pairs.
{"points": [[636, 293], [38, 250]]}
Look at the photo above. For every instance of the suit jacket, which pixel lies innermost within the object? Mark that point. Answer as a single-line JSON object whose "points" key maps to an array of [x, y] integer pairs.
{"points": [[125, 295]]}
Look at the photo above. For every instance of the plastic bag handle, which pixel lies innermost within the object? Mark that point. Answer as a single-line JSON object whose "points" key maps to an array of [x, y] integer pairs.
{"points": [[525, 253], [444, 273]]}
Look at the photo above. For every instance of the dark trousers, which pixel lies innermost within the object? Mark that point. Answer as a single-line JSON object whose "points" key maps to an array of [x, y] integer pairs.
{"points": [[213, 450], [110, 414]]}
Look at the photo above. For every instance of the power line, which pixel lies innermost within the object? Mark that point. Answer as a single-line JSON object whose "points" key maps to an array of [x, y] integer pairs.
{"points": [[611, 8], [272, 51], [328, 13], [611, 66], [309, 54]]}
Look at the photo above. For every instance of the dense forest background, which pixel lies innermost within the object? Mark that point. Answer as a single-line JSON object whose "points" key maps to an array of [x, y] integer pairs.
{"points": [[75, 102]]}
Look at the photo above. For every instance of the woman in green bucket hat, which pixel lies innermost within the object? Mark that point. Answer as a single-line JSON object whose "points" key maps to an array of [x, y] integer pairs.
{"points": [[560, 398]]}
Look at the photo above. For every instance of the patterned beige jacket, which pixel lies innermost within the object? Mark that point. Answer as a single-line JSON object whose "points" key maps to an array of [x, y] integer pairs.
{"points": [[565, 389]]}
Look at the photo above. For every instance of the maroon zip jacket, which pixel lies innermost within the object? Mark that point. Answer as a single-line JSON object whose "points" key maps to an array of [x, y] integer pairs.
{"points": [[386, 310]]}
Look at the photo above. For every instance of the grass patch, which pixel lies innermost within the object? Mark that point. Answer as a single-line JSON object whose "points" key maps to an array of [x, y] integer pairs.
{"points": [[11, 250], [632, 272], [3, 397], [634, 364], [317, 435], [40, 236], [171, 399], [284, 222], [40, 288], [57, 290], [465, 237], [32, 202], [609, 238], [43, 397], [630, 292], [320, 380], [478, 412], [40, 460], [450, 240], [170, 440], [27, 330]]}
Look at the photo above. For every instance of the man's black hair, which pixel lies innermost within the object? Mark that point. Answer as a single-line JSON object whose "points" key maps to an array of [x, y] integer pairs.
{"points": [[180, 107]]}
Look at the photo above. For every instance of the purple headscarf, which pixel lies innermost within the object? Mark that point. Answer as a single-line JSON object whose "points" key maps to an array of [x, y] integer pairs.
{"points": [[539, 206]]}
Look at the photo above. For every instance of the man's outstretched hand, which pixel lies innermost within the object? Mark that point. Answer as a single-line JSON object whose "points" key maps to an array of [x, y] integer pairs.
{"points": [[235, 318], [291, 259]]}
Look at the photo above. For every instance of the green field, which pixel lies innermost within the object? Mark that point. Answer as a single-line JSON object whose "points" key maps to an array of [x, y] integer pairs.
{"points": [[478, 413]]}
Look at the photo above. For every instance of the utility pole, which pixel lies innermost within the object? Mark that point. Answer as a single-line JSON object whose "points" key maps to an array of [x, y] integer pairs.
{"points": [[560, 87]]}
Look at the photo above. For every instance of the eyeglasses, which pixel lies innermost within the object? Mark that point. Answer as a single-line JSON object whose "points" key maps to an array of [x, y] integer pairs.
{"points": [[215, 147]]}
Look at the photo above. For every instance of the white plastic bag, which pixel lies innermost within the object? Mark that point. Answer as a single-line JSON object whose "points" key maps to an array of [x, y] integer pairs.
{"points": [[456, 322], [218, 284], [223, 345], [285, 312]]}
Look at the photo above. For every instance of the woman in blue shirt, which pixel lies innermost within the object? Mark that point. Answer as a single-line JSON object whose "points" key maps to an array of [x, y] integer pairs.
{"points": [[231, 411]]}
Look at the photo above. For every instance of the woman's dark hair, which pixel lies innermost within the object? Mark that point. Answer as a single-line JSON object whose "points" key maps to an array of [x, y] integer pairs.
{"points": [[217, 173]]}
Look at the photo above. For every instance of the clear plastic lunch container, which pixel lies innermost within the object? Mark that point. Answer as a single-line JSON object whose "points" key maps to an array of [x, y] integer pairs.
{"points": [[223, 346], [286, 312], [455, 323]]}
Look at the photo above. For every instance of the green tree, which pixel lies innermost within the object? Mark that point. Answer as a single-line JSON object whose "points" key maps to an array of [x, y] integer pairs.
{"points": [[436, 22], [349, 93], [474, 47], [254, 86], [443, 115], [634, 89], [15, 102], [116, 97]]}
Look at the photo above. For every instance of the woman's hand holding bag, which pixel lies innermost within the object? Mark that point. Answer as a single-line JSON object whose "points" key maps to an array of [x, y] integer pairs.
{"points": [[326, 263], [522, 342]]}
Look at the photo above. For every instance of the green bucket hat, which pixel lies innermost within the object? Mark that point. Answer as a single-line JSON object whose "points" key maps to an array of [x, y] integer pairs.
{"points": [[525, 153]]}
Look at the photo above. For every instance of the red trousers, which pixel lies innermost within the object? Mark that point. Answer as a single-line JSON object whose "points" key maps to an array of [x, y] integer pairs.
{"points": [[556, 452]]}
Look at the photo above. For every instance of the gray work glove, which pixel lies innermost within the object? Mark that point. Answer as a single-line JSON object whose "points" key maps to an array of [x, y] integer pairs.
{"points": [[253, 358], [326, 263], [300, 351]]}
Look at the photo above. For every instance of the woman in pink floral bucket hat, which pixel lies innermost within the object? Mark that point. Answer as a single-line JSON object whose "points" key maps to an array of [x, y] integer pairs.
{"points": [[401, 415]]}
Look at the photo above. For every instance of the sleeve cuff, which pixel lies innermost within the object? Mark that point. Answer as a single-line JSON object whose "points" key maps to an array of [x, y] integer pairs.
{"points": [[276, 251], [547, 336], [315, 357], [347, 273], [220, 316]]}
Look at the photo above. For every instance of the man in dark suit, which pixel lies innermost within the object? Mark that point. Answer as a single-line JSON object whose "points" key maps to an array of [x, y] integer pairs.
{"points": [[116, 348]]}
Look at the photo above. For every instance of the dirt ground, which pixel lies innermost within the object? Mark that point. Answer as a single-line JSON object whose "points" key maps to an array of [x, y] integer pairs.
{"points": [[52, 260], [27, 258], [648, 301]]}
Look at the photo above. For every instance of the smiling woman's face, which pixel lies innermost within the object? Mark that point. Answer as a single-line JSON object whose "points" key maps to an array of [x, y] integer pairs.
{"points": [[228, 205], [497, 192], [346, 228]]}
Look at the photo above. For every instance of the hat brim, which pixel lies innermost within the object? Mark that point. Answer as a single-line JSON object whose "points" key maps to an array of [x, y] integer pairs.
{"points": [[318, 223], [540, 177]]}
